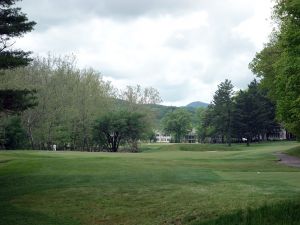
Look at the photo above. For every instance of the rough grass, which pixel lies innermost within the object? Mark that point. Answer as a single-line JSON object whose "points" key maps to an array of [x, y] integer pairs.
{"points": [[162, 185], [294, 151], [283, 213]]}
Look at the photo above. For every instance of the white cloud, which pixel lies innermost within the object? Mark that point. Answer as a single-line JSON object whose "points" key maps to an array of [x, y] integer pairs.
{"points": [[184, 51]]}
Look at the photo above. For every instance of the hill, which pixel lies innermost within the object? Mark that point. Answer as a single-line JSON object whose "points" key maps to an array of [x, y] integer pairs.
{"points": [[161, 110], [197, 104]]}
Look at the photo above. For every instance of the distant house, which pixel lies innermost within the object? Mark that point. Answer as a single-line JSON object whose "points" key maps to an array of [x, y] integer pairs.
{"points": [[162, 137], [191, 137], [278, 133]]}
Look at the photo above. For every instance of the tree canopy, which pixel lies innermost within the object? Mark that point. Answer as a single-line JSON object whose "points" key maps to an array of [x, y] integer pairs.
{"points": [[118, 127], [222, 110], [278, 64], [253, 114], [178, 123]]}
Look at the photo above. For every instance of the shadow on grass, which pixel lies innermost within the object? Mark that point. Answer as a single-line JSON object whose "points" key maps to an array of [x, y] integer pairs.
{"points": [[11, 215], [284, 213]]}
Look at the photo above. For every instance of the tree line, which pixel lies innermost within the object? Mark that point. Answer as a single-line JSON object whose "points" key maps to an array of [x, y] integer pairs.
{"points": [[256, 111], [278, 64], [46, 101], [70, 104], [245, 115]]}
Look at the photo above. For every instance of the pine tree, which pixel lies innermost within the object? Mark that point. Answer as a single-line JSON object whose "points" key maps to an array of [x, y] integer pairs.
{"points": [[254, 113], [13, 24], [222, 110]]}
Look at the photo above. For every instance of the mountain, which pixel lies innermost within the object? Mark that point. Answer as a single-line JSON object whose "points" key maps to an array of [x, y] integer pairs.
{"points": [[197, 104]]}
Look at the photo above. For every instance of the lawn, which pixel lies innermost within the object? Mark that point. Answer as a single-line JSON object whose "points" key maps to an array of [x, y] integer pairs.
{"points": [[165, 184]]}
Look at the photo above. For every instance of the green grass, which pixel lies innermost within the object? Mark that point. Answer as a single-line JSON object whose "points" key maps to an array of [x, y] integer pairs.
{"points": [[165, 184], [283, 213], [294, 151]]}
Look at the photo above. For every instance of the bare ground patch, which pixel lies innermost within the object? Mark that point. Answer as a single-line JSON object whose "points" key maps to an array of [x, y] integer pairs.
{"points": [[288, 160]]}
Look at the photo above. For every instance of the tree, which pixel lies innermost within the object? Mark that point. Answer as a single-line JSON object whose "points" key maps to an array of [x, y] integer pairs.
{"points": [[70, 100], [222, 110], [14, 134], [177, 123], [254, 113], [16, 101], [137, 95], [141, 100], [279, 64], [120, 126], [14, 24], [200, 123]]}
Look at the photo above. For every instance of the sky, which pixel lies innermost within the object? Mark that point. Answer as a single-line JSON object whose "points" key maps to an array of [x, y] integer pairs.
{"points": [[183, 48]]}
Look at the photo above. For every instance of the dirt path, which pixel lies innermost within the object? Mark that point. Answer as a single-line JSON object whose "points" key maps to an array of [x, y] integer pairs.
{"points": [[288, 160]]}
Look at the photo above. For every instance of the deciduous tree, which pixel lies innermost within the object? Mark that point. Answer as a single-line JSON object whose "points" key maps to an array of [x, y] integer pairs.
{"points": [[279, 64], [178, 123], [118, 127]]}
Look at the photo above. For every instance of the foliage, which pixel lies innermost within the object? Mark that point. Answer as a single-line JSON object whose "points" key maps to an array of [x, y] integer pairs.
{"points": [[120, 126], [254, 113], [14, 24], [13, 135], [220, 111], [137, 95], [16, 100], [69, 102], [200, 123], [279, 64], [177, 123], [143, 101]]}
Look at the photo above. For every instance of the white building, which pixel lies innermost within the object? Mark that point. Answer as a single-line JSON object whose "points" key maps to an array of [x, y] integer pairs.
{"points": [[162, 138], [191, 137]]}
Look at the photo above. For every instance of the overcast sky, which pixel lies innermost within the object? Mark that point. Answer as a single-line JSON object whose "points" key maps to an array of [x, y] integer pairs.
{"points": [[183, 48]]}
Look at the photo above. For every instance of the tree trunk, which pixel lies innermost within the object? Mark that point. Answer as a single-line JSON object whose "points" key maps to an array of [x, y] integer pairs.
{"points": [[248, 141]]}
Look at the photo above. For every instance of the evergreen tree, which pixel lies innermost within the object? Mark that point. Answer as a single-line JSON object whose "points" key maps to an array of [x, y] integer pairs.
{"points": [[15, 135], [13, 24], [254, 113], [222, 110]]}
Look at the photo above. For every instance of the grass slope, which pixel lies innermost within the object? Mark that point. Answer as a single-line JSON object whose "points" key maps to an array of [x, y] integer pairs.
{"points": [[166, 184], [294, 151]]}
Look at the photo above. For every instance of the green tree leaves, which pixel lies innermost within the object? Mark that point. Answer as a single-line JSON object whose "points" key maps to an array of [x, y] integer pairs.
{"points": [[13, 23], [222, 106], [178, 123], [118, 127], [279, 64]]}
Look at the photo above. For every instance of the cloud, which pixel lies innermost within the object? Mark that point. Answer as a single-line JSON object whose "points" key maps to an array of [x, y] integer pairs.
{"points": [[184, 48]]}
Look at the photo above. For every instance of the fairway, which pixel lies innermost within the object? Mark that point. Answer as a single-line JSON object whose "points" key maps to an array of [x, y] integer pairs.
{"points": [[164, 184]]}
